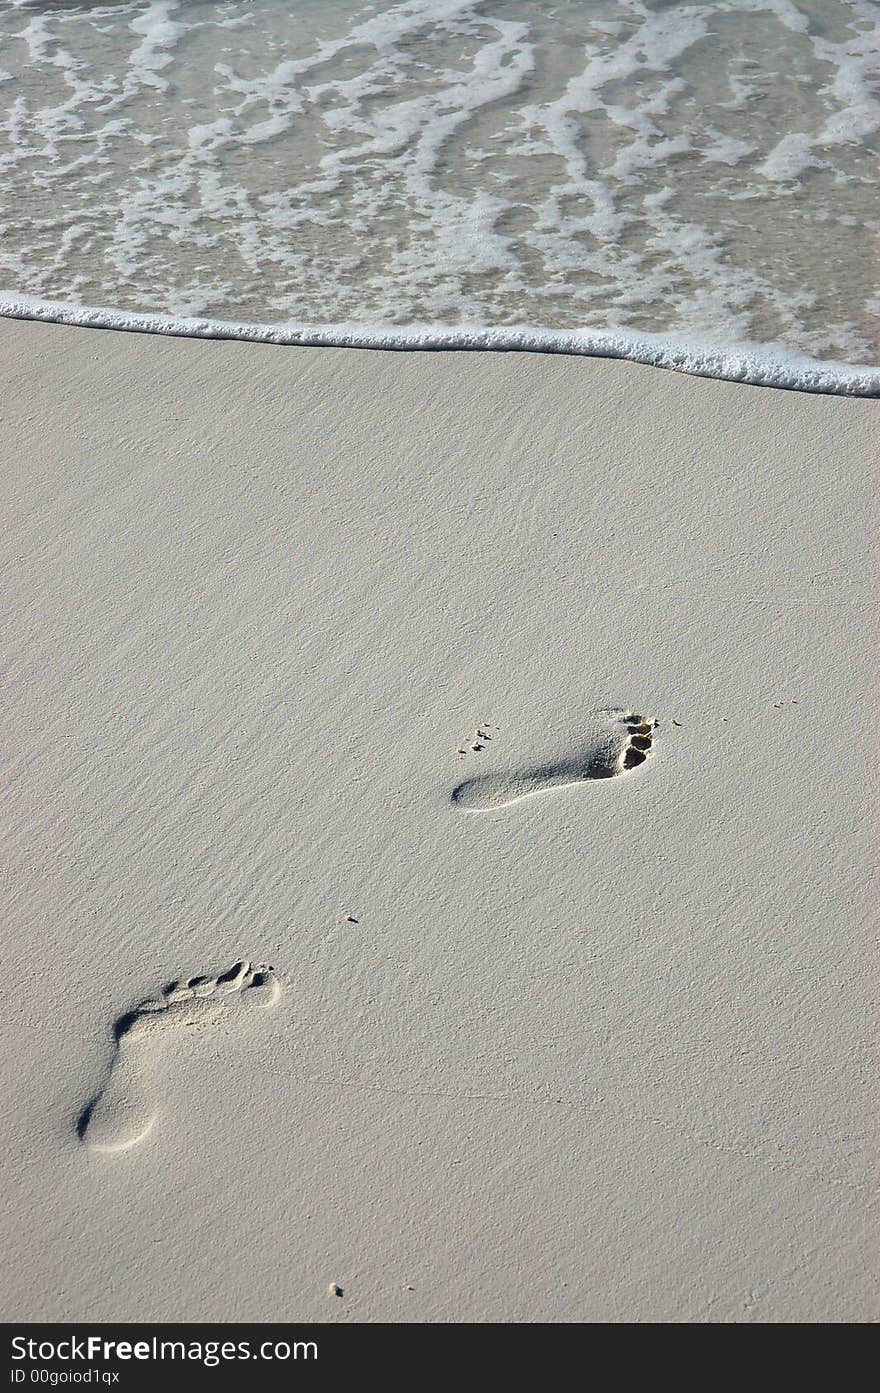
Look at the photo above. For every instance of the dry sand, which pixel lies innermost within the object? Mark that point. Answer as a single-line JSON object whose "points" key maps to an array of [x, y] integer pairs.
{"points": [[603, 1052]]}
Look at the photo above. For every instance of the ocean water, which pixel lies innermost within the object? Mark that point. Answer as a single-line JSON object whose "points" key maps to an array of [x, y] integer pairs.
{"points": [[676, 181]]}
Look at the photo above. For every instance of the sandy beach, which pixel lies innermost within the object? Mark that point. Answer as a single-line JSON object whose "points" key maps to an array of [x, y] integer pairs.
{"points": [[575, 1048]]}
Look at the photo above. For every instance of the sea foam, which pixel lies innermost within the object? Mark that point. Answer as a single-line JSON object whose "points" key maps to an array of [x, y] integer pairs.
{"points": [[694, 182], [748, 363]]}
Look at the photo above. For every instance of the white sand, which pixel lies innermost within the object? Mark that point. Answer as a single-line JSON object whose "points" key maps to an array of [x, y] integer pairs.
{"points": [[603, 1053]]}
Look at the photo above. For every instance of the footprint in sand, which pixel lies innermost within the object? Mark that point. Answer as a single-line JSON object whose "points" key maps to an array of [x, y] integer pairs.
{"points": [[126, 1108], [628, 743]]}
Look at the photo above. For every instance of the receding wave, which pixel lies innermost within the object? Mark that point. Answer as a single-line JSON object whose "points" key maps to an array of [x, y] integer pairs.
{"points": [[696, 182]]}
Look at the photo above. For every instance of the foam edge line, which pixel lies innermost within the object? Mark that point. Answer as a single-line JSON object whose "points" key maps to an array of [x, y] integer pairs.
{"points": [[748, 364]]}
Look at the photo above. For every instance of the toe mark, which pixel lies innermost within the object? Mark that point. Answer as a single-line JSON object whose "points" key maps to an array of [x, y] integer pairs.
{"points": [[633, 757], [231, 973]]}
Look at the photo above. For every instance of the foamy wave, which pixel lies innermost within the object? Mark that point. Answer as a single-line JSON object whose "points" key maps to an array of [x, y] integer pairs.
{"points": [[747, 363], [680, 172]]}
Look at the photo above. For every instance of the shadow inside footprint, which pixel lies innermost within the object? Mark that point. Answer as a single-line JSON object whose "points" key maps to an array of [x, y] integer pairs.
{"points": [[628, 744], [85, 1117]]}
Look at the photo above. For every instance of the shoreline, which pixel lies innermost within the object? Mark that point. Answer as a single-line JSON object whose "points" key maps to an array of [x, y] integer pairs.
{"points": [[597, 1052], [749, 364]]}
